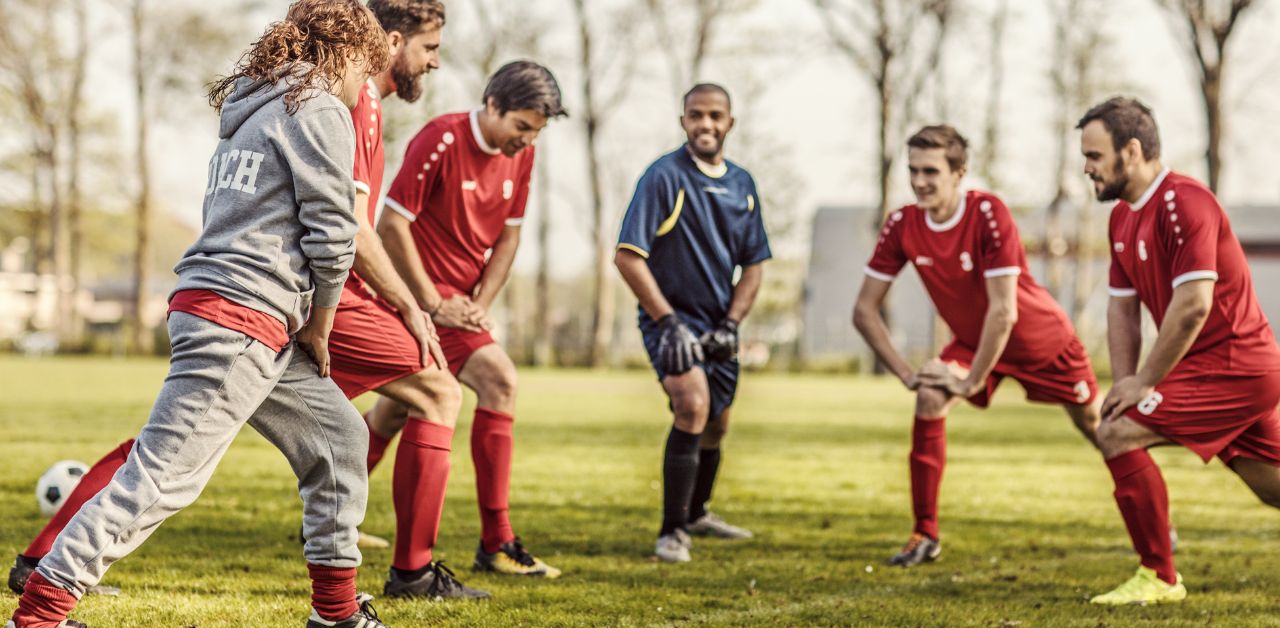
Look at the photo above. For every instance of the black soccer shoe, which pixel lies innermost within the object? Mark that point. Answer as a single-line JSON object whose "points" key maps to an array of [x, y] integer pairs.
{"points": [[438, 583], [22, 569], [919, 549]]}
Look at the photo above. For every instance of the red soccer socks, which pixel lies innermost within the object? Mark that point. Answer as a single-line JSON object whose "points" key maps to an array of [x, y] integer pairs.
{"points": [[418, 486], [94, 479], [43, 605], [1144, 503], [928, 456], [491, 443], [333, 592]]}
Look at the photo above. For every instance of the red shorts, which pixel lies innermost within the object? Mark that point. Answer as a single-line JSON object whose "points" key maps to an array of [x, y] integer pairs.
{"points": [[1067, 379], [1217, 415], [369, 345], [458, 345]]}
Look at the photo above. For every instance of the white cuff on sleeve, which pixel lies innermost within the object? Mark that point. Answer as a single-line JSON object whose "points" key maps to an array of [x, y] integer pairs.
{"points": [[1122, 292], [1002, 272], [515, 222], [875, 274], [399, 209], [363, 187], [1195, 275]]}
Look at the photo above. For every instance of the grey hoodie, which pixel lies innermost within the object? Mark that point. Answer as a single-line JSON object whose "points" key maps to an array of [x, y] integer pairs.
{"points": [[279, 225]]}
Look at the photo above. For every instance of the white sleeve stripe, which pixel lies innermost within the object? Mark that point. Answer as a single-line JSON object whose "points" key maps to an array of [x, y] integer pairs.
{"points": [[875, 274], [515, 222], [361, 186], [1002, 272], [1195, 275], [399, 209], [1122, 292]]}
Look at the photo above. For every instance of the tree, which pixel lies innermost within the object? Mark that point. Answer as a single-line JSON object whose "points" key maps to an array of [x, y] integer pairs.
{"points": [[598, 101], [1204, 27], [897, 46]]}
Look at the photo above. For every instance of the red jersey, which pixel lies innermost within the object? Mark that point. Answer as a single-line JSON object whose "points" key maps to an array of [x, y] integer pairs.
{"points": [[954, 259], [370, 161], [460, 194], [1177, 232], [222, 311]]}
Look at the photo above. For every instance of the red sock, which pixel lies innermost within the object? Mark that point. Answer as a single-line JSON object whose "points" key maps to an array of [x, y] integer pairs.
{"points": [[377, 445], [928, 456], [43, 605], [1144, 503], [491, 452], [94, 479], [417, 488], [333, 591]]}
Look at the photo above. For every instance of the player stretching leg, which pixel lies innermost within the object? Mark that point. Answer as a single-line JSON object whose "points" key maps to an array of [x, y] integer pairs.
{"points": [[966, 250], [460, 192], [377, 343], [249, 334], [694, 219], [1211, 382]]}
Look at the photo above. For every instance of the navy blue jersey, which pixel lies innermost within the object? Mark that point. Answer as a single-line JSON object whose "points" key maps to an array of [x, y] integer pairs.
{"points": [[693, 229]]}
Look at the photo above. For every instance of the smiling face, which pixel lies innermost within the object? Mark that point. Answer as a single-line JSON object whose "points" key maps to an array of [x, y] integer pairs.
{"points": [[935, 184], [706, 122], [512, 131], [412, 58]]}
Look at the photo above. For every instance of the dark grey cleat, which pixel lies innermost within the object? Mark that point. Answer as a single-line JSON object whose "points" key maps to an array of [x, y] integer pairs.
{"points": [[919, 549], [22, 569], [439, 583]]}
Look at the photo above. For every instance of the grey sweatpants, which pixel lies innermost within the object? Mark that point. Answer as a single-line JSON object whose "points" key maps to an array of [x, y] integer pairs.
{"points": [[218, 380]]}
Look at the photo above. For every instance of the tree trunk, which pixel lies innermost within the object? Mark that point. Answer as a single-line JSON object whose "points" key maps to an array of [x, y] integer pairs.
{"points": [[544, 348], [602, 318], [139, 326], [1212, 94], [75, 212]]}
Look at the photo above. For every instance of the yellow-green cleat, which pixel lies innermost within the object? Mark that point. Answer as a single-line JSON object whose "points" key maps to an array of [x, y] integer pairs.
{"points": [[1145, 587], [512, 559]]}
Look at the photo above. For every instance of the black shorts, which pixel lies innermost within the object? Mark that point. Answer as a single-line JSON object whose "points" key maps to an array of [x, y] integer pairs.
{"points": [[722, 377]]}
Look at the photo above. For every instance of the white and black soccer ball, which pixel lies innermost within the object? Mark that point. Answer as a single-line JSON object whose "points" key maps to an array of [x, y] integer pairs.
{"points": [[57, 483]]}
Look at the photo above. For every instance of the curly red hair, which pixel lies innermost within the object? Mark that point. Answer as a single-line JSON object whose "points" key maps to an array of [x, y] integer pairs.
{"points": [[313, 43]]}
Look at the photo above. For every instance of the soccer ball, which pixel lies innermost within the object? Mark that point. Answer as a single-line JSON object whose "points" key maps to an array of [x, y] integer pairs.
{"points": [[57, 483]]}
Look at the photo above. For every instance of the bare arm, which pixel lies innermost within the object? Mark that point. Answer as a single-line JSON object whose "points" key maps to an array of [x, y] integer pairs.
{"points": [[375, 267], [869, 323], [397, 240], [1002, 314], [635, 271], [1124, 335], [745, 292], [1183, 320], [498, 269]]}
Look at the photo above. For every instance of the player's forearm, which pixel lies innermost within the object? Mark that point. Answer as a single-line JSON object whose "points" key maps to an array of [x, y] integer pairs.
{"points": [[870, 324], [745, 291], [635, 272], [996, 329], [496, 271], [1183, 321], [374, 266], [1124, 335], [397, 242]]}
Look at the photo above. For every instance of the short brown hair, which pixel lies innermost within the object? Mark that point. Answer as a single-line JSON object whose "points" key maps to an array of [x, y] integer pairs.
{"points": [[946, 137], [525, 85], [1126, 119], [407, 17], [312, 45]]}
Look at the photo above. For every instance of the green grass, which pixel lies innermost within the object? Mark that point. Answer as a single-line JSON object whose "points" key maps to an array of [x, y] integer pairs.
{"points": [[816, 465]]}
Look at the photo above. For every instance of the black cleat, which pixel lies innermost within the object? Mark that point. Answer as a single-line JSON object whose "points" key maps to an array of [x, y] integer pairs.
{"points": [[919, 549], [366, 617], [439, 583], [22, 569]]}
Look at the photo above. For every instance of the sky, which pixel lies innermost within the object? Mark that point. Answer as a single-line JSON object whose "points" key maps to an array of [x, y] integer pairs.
{"points": [[814, 111]]}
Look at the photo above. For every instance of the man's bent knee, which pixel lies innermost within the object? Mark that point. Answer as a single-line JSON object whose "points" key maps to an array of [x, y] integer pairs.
{"points": [[930, 402]]}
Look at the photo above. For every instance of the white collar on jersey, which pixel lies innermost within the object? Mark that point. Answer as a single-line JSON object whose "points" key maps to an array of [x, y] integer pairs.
{"points": [[952, 221], [475, 132], [373, 89], [715, 171], [1151, 191]]}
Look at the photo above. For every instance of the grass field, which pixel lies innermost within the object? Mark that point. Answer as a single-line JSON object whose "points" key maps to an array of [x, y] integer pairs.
{"points": [[816, 465]]}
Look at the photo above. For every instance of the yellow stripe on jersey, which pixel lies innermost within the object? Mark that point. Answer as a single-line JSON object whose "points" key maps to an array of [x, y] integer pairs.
{"points": [[634, 249], [751, 202], [670, 223]]}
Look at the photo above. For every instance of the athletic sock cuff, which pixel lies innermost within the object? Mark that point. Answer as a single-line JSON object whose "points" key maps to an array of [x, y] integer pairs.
{"points": [[485, 414], [1129, 463], [424, 433], [929, 426]]}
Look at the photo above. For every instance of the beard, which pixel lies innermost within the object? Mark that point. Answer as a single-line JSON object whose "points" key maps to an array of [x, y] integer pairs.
{"points": [[408, 84], [708, 154], [1112, 191]]}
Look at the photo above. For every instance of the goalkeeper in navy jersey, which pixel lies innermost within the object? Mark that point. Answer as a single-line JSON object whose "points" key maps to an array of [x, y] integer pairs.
{"points": [[695, 219]]}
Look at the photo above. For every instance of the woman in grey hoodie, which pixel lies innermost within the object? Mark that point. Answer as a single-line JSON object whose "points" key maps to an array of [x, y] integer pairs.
{"points": [[249, 321]]}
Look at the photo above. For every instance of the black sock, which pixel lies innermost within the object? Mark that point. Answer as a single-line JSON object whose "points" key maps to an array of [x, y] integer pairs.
{"points": [[679, 469], [708, 464], [412, 574]]}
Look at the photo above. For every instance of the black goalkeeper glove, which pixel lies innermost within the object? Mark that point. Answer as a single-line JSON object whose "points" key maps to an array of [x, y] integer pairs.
{"points": [[678, 348], [721, 343]]}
